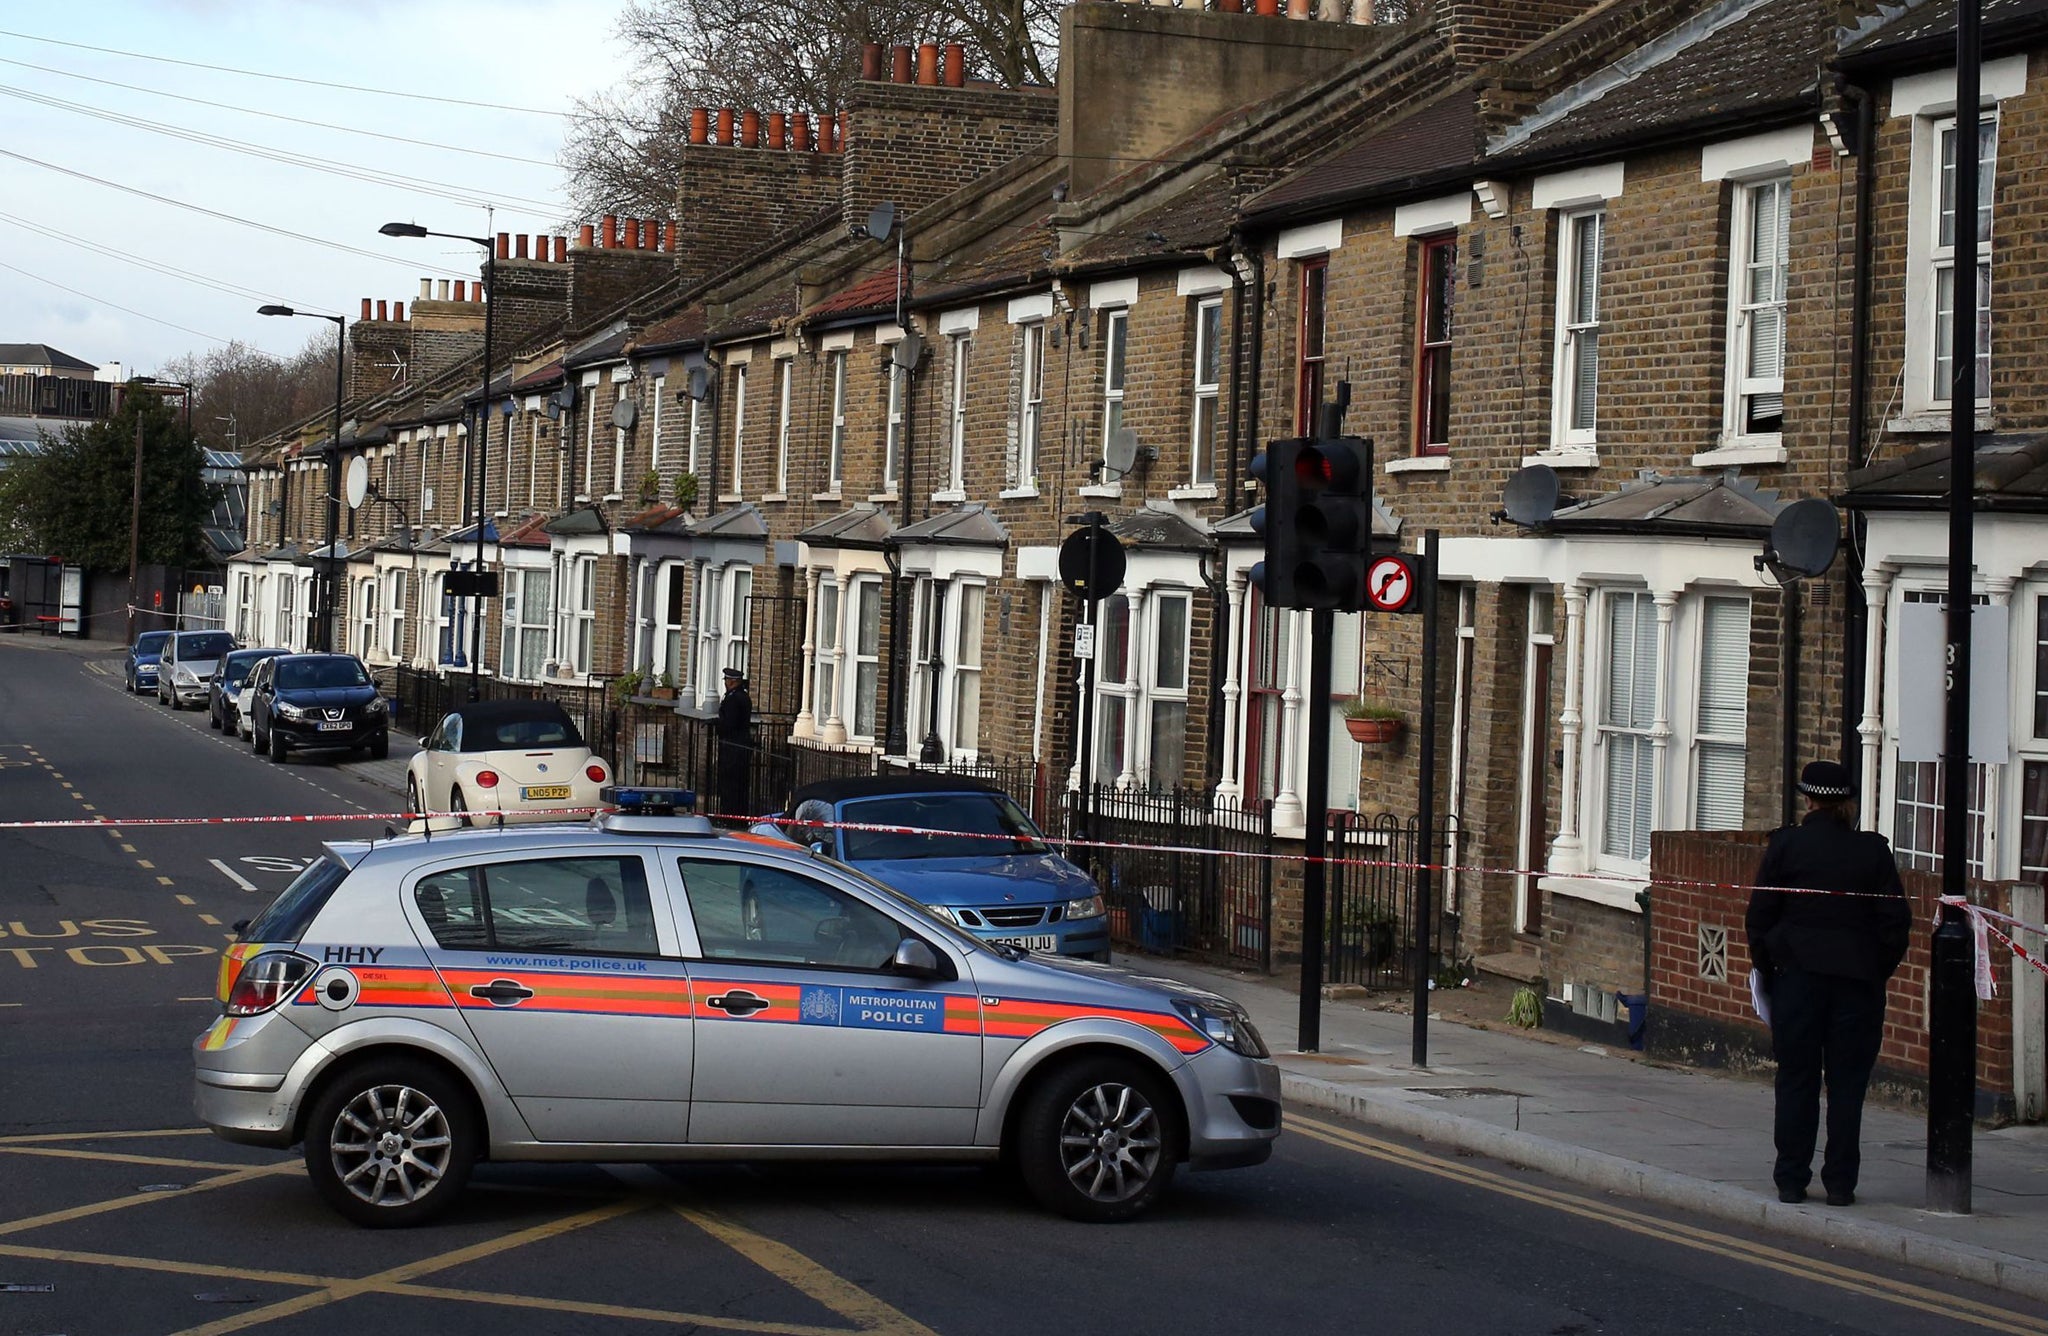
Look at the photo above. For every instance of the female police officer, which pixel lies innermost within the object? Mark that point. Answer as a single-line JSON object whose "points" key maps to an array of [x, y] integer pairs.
{"points": [[1825, 959]]}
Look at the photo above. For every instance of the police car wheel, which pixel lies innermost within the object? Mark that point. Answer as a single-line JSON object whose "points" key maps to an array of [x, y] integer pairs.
{"points": [[391, 1143], [1098, 1141]]}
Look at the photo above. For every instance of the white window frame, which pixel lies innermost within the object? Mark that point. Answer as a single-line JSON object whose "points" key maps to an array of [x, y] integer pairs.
{"points": [[862, 587], [1116, 350], [654, 430], [1730, 740], [1578, 330], [710, 583], [739, 590], [835, 454], [445, 642], [527, 619], [1607, 734], [964, 668], [621, 390], [1205, 394], [1940, 259], [829, 619], [1121, 689], [1155, 691], [785, 374], [395, 612], [366, 617], [245, 605], [892, 439], [735, 480], [1023, 471], [956, 473], [582, 614], [671, 633], [589, 440], [696, 438], [1756, 297]]}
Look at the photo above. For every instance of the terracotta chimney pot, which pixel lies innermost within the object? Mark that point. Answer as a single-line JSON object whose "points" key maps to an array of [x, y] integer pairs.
{"points": [[778, 129], [871, 60], [899, 64], [586, 236], [398, 311], [461, 290], [725, 125], [366, 308], [928, 64], [800, 131], [955, 65], [380, 309], [750, 129], [700, 124]]}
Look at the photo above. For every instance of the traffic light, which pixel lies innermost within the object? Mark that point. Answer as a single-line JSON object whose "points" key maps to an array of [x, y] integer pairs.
{"points": [[1332, 523], [1276, 468]]}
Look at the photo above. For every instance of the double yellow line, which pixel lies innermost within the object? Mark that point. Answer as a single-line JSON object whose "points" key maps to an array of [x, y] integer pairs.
{"points": [[1770, 1257]]}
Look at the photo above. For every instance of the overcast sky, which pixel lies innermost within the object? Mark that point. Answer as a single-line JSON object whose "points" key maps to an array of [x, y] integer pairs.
{"points": [[535, 54]]}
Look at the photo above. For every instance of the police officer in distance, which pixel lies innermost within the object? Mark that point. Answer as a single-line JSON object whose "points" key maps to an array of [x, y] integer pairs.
{"points": [[1824, 961]]}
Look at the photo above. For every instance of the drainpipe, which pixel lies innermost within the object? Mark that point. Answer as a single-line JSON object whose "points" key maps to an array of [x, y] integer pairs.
{"points": [[1854, 624], [1789, 606], [1228, 257]]}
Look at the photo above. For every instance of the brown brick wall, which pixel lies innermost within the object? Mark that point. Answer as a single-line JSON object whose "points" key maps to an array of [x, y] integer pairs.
{"points": [[732, 199], [909, 144]]}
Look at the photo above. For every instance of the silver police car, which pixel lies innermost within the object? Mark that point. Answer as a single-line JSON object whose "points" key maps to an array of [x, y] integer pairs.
{"points": [[642, 987]]}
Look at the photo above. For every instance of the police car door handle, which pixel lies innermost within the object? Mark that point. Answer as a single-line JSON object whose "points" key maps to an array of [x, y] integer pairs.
{"points": [[739, 1002], [502, 992]]}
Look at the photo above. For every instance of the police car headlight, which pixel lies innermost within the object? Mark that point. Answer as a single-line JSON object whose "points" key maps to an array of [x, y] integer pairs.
{"points": [[1087, 907], [943, 914], [1225, 1023], [291, 711]]}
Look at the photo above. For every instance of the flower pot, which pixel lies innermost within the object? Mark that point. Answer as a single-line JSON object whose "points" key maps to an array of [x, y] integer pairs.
{"points": [[663, 693], [1373, 732]]}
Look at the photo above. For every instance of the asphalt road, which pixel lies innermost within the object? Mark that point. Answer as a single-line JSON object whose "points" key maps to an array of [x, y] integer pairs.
{"points": [[118, 1216]]}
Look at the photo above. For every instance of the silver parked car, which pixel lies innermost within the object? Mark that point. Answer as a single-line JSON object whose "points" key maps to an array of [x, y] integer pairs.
{"points": [[640, 987]]}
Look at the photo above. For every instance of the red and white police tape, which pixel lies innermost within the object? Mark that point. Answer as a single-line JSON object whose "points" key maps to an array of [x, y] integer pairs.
{"points": [[1980, 916]]}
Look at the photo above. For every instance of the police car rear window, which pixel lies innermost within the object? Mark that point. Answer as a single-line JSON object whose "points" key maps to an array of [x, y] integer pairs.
{"points": [[293, 912]]}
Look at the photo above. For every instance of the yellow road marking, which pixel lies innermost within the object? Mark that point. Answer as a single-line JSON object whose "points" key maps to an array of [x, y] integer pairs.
{"points": [[397, 1275], [121, 1203], [805, 1276], [187, 900], [27, 1138], [111, 1157], [90, 808], [1903, 1293], [165, 881], [126, 848], [144, 862], [207, 919], [162, 1264]]}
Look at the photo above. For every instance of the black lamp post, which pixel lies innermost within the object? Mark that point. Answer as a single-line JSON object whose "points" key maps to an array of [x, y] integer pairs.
{"points": [[333, 452], [479, 443]]}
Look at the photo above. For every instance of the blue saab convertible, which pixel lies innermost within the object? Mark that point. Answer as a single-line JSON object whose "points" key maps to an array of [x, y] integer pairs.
{"points": [[143, 657], [962, 849]]}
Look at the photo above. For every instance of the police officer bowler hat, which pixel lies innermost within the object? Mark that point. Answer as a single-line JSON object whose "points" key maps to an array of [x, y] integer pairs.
{"points": [[1828, 781]]}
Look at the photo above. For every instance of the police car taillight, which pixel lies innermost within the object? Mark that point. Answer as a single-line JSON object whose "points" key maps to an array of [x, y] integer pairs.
{"points": [[266, 981]]}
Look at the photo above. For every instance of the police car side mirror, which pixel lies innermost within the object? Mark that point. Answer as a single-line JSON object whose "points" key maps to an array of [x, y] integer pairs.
{"points": [[239, 927], [915, 959], [821, 848]]}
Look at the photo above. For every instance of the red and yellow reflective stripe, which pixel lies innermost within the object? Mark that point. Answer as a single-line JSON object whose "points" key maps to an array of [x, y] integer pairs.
{"points": [[594, 994], [231, 962], [963, 1014], [1021, 1018]]}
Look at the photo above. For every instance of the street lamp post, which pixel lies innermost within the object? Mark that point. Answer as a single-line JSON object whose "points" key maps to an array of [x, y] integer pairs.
{"points": [[479, 440], [328, 601]]}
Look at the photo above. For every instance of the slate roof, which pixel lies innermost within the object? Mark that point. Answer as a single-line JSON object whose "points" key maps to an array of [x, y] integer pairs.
{"points": [[1162, 529], [1902, 31], [864, 526], [1437, 139], [584, 521], [1740, 60], [685, 326], [1194, 220], [970, 526], [41, 354], [1237, 529], [741, 521], [1718, 507], [2011, 474]]}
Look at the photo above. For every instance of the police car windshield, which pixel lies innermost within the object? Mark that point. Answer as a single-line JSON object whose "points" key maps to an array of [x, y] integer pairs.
{"points": [[947, 825]]}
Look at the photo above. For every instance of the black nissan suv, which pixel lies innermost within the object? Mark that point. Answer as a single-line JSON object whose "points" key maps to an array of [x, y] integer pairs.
{"points": [[317, 702]]}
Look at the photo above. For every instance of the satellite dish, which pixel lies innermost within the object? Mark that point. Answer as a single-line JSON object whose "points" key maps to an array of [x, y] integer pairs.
{"points": [[554, 408], [882, 221], [700, 383], [1806, 535], [624, 415], [908, 348], [1120, 451], [355, 482], [564, 399], [1531, 497]]}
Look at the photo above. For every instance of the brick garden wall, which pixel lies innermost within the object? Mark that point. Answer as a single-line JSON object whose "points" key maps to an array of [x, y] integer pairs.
{"points": [[1699, 997]]}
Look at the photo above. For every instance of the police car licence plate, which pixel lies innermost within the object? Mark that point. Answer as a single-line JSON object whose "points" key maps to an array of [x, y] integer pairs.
{"points": [[545, 791], [334, 725], [1029, 943]]}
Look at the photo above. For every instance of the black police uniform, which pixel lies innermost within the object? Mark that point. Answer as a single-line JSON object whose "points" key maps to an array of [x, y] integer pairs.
{"points": [[735, 747], [1825, 959]]}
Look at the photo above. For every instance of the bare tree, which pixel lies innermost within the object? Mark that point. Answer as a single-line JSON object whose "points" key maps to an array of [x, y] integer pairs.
{"points": [[252, 391], [624, 147]]}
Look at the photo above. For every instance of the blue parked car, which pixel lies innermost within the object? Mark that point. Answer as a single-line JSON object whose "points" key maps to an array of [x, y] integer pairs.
{"points": [[143, 657], [975, 859]]}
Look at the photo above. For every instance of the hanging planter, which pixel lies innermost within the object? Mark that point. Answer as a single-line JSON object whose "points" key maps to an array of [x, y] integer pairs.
{"points": [[1373, 725]]}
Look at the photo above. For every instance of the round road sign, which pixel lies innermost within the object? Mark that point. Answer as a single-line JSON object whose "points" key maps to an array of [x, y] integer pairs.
{"points": [[1389, 583], [1098, 547]]}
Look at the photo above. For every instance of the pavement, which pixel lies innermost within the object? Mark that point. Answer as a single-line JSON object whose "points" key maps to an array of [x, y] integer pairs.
{"points": [[1674, 1136]]}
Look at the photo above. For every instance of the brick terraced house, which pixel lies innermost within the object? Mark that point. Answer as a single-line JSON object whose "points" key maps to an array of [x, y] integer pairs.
{"points": [[1687, 255]]}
